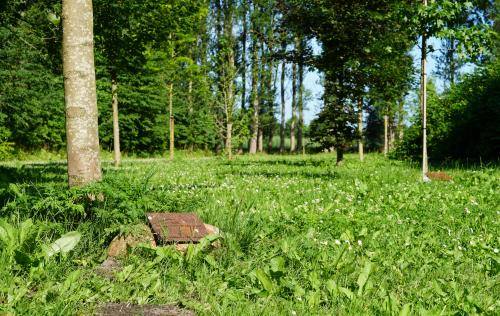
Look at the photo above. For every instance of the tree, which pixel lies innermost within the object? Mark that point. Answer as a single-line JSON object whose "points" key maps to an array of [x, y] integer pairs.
{"points": [[445, 19], [84, 165], [356, 36], [255, 80], [122, 31]]}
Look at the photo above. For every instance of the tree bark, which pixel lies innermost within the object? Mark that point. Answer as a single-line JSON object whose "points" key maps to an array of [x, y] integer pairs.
{"points": [[255, 96], [229, 105], [84, 165], [423, 86], [340, 155], [300, 103], [360, 130], [116, 121], [283, 118], [270, 141], [244, 57], [386, 135], [171, 121], [401, 118], [294, 108], [260, 140], [229, 140], [230, 73]]}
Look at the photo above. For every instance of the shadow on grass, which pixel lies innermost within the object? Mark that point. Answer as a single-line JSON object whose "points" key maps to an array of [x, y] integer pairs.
{"points": [[326, 175], [32, 173], [306, 162]]}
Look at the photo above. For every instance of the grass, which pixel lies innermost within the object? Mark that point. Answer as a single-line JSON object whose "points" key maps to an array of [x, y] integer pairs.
{"points": [[300, 237]]}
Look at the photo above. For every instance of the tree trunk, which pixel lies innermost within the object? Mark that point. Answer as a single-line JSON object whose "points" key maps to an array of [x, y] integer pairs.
{"points": [[294, 108], [229, 105], [401, 118], [423, 86], [255, 96], [190, 111], [171, 121], [230, 74], [244, 57], [229, 140], [84, 165], [260, 140], [116, 121], [453, 66], [270, 141], [340, 155], [392, 132], [300, 103], [360, 130], [386, 135], [283, 118]]}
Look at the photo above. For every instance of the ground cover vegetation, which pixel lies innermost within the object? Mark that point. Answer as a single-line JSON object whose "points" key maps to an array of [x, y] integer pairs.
{"points": [[300, 236]]}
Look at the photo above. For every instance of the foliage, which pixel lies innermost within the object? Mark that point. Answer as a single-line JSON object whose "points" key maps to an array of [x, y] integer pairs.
{"points": [[462, 121]]}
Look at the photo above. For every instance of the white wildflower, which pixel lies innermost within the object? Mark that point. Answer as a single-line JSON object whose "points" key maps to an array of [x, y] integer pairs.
{"points": [[360, 243], [467, 210], [495, 250], [337, 242]]}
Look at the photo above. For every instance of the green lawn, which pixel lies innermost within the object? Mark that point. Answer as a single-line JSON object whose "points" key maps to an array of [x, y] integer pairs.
{"points": [[300, 237]]}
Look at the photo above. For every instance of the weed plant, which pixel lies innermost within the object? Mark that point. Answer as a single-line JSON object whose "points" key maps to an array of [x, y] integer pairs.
{"points": [[301, 236]]}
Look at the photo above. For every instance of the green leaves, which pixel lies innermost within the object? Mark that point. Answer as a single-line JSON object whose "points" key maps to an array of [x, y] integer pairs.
{"points": [[264, 279], [363, 277], [65, 244]]}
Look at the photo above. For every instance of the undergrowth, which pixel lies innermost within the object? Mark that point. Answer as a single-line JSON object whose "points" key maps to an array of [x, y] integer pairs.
{"points": [[300, 237]]}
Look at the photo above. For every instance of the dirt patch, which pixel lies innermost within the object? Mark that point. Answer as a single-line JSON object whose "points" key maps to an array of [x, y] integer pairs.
{"points": [[115, 309], [108, 268], [439, 176]]}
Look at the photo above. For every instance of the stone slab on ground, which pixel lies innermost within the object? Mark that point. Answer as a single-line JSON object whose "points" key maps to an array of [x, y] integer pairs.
{"points": [[177, 227], [125, 309]]}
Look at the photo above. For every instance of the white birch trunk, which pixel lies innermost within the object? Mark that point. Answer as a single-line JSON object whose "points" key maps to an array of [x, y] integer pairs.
{"points": [[84, 165]]}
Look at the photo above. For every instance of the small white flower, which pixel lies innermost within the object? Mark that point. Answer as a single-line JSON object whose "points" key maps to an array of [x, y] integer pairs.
{"points": [[348, 242], [294, 313], [337, 242], [495, 250], [467, 210], [460, 248], [360, 243], [350, 247]]}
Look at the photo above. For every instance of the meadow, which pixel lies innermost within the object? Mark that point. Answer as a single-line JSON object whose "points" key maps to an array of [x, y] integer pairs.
{"points": [[300, 236]]}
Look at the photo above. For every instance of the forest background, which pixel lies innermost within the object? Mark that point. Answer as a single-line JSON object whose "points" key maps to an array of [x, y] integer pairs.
{"points": [[223, 71]]}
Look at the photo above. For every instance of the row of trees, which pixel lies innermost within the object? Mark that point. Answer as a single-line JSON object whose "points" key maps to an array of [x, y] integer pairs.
{"points": [[207, 70], [213, 74]]}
